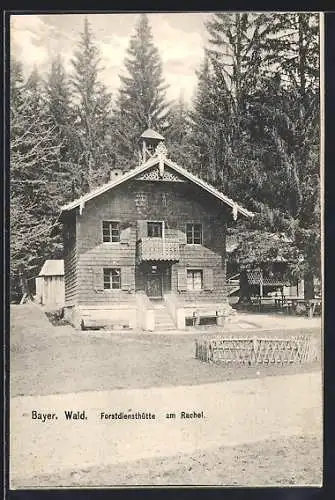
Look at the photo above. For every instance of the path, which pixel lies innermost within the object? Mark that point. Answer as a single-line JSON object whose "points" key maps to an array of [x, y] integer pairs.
{"points": [[236, 412], [272, 321]]}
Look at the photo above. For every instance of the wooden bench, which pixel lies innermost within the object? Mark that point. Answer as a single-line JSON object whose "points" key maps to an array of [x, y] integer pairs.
{"points": [[313, 305], [289, 304], [309, 304]]}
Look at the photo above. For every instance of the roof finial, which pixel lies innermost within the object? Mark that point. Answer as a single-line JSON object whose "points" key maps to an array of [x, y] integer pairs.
{"points": [[161, 152], [149, 121]]}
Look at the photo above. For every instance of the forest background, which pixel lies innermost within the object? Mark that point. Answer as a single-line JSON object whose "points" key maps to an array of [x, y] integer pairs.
{"points": [[252, 129]]}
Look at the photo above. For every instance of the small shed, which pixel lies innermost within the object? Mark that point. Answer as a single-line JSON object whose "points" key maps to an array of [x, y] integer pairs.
{"points": [[261, 262], [50, 288]]}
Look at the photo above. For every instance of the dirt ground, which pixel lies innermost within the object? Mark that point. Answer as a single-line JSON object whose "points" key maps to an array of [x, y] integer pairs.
{"points": [[48, 360], [292, 461]]}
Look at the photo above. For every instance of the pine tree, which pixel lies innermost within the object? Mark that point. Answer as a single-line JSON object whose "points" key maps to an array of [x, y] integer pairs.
{"points": [[33, 205], [234, 49], [141, 102], [58, 103], [227, 81], [16, 84], [92, 107], [206, 125], [229, 164], [266, 75], [291, 45], [290, 116], [58, 93], [179, 133]]}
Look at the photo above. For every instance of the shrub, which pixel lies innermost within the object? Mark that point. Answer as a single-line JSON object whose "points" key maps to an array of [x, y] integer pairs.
{"points": [[56, 317]]}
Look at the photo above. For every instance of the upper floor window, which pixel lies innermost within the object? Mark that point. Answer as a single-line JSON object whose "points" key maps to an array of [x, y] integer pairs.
{"points": [[110, 231], [155, 229], [112, 278], [194, 234]]}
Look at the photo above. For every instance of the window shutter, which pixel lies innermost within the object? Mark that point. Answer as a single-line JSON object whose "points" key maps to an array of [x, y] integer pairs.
{"points": [[182, 237], [125, 236], [142, 229], [127, 274], [182, 280], [208, 279], [98, 279]]}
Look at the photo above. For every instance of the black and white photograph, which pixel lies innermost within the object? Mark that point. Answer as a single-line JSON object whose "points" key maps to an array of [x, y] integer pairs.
{"points": [[166, 249]]}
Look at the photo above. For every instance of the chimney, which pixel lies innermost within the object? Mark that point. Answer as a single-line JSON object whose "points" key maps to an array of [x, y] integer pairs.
{"points": [[114, 174], [149, 141]]}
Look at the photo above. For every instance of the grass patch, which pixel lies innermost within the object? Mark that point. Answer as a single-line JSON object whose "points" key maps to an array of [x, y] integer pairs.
{"points": [[47, 360]]}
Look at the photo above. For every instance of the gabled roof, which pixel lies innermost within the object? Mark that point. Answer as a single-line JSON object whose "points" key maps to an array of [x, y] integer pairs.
{"points": [[152, 134], [80, 202], [52, 268]]}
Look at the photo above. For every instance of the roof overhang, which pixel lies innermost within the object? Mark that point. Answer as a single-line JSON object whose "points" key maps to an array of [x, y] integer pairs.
{"points": [[52, 267], [152, 134], [80, 202]]}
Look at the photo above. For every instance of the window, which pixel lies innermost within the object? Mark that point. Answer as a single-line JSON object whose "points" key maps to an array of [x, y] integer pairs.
{"points": [[155, 229], [112, 278], [110, 232], [194, 279], [194, 234]]}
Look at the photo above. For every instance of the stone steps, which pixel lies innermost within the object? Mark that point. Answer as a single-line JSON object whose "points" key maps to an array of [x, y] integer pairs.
{"points": [[163, 320]]}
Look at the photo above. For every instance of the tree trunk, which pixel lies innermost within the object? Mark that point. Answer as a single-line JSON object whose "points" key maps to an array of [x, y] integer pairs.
{"points": [[308, 285], [24, 285], [244, 288]]}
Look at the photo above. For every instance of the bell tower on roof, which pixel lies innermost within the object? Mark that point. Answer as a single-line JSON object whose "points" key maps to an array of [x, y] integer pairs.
{"points": [[149, 141]]}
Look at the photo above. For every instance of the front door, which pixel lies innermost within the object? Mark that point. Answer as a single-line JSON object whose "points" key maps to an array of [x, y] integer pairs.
{"points": [[154, 282]]}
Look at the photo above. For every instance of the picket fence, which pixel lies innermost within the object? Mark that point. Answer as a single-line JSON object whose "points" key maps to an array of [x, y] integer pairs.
{"points": [[255, 350]]}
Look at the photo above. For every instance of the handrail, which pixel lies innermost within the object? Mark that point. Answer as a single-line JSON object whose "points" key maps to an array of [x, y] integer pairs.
{"points": [[235, 276]]}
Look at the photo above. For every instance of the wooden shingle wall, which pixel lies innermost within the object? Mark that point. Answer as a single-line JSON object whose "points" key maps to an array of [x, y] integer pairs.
{"points": [[175, 203], [70, 261]]}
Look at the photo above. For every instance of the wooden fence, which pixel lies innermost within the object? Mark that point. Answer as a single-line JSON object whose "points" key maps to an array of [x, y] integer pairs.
{"points": [[253, 351]]}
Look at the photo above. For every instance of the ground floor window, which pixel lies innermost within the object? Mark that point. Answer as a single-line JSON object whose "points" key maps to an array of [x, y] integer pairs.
{"points": [[194, 279], [112, 278]]}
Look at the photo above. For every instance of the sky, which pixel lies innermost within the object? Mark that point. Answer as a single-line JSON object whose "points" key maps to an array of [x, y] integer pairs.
{"points": [[179, 37]]}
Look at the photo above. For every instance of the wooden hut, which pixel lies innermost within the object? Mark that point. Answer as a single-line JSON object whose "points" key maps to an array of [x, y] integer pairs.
{"points": [[147, 249], [50, 289]]}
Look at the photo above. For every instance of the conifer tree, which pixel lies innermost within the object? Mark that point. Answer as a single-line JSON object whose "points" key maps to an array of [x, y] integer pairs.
{"points": [[226, 83], [58, 93], [92, 109], [16, 84], [206, 124], [179, 133], [234, 50], [141, 102], [290, 114], [34, 154], [291, 45], [266, 76], [59, 108]]}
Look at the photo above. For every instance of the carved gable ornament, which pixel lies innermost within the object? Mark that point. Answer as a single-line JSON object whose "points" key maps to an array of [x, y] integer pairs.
{"points": [[155, 174]]}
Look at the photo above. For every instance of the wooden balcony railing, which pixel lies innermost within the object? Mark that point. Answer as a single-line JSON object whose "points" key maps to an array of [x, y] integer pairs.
{"points": [[164, 249]]}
